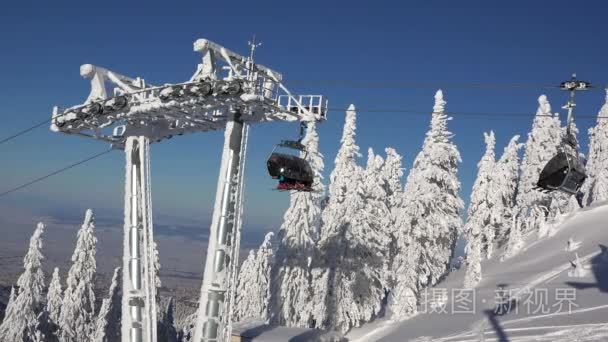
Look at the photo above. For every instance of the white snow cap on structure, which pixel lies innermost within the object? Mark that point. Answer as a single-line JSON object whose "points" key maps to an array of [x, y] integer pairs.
{"points": [[439, 102]]}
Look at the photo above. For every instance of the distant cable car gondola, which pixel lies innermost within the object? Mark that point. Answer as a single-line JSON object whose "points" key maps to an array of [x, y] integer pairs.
{"points": [[565, 172], [292, 171]]}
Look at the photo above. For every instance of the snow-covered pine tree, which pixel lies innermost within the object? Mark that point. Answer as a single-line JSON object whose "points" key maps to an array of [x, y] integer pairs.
{"points": [[46, 329], [157, 281], [54, 297], [480, 227], [377, 213], [515, 241], [392, 172], [472, 275], [21, 316], [596, 185], [504, 189], [11, 298], [433, 203], [167, 331], [430, 223], [404, 297], [76, 320], [187, 332], [158, 285], [348, 278], [342, 177], [107, 327], [253, 288], [291, 302], [541, 146]]}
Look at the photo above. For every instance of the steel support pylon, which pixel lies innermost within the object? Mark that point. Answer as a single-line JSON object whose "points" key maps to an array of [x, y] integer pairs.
{"points": [[138, 286], [217, 293]]}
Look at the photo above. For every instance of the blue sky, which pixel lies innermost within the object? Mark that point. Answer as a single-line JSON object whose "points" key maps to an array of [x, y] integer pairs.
{"points": [[413, 43]]}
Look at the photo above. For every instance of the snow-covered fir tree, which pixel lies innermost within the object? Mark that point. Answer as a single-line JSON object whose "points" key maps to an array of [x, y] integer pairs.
{"points": [[431, 221], [21, 316], [166, 327], [541, 146], [157, 284], [107, 326], [595, 187], [48, 318], [347, 278], [76, 320], [11, 298], [480, 227], [377, 210], [472, 275], [54, 297], [341, 178], [433, 204], [404, 297], [392, 172], [156, 258], [504, 189], [186, 334], [253, 288], [44, 327], [291, 302], [515, 241]]}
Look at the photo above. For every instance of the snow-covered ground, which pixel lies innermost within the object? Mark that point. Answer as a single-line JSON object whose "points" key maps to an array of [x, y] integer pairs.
{"points": [[519, 299]]}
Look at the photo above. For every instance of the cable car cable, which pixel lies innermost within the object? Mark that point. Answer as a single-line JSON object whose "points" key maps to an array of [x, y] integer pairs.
{"points": [[63, 169], [20, 133], [427, 112]]}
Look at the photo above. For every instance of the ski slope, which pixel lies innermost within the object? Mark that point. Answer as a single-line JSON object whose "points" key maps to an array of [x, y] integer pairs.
{"points": [[539, 297]]}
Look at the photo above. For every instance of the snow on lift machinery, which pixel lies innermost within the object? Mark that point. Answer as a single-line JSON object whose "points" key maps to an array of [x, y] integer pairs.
{"points": [[292, 171], [565, 172]]}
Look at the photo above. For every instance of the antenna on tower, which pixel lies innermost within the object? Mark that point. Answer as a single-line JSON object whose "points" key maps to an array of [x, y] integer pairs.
{"points": [[253, 45]]}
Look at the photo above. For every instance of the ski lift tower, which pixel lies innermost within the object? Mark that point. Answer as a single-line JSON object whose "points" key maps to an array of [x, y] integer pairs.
{"points": [[227, 92]]}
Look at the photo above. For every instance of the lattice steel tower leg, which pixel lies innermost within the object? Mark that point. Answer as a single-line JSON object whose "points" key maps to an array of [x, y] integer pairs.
{"points": [[217, 292], [138, 286]]}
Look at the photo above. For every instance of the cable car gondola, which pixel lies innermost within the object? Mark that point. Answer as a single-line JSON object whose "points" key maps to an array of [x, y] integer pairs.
{"points": [[292, 171], [565, 172]]}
